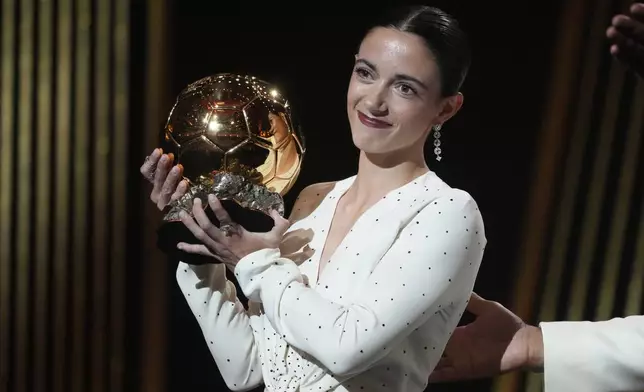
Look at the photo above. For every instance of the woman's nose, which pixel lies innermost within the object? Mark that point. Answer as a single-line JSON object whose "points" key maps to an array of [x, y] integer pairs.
{"points": [[376, 102]]}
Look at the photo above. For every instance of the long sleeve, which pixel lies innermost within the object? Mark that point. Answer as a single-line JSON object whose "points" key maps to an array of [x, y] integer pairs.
{"points": [[594, 356], [432, 264], [225, 324]]}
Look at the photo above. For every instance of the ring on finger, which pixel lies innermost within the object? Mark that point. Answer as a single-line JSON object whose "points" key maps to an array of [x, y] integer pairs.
{"points": [[151, 174], [228, 229]]}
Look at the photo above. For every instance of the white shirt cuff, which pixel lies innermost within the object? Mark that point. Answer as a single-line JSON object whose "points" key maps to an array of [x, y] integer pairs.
{"points": [[263, 270]]}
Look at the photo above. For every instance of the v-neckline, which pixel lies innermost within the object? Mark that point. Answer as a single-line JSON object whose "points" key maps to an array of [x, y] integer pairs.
{"points": [[341, 188], [336, 194]]}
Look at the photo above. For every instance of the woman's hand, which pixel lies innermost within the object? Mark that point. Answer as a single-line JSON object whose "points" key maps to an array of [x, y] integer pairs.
{"points": [[167, 184], [626, 35], [167, 180], [229, 242]]}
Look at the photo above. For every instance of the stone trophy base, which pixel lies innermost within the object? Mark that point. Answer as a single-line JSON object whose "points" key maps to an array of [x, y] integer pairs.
{"points": [[248, 205]]}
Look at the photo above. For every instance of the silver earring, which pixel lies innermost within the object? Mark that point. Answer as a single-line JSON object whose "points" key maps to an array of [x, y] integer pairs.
{"points": [[437, 141]]}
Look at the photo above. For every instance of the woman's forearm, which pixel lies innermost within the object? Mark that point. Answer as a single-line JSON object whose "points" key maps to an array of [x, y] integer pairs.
{"points": [[226, 326]]}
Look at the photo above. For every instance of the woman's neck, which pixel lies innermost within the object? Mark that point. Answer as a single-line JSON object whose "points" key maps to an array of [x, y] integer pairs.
{"points": [[377, 177]]}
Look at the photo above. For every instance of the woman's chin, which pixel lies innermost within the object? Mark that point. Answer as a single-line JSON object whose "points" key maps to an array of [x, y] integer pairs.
{"points": [[373, 150], [369, 144]]}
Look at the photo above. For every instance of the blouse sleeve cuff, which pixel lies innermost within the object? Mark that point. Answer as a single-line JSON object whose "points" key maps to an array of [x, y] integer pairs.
{"points": [[565, 352], [263, 271]]}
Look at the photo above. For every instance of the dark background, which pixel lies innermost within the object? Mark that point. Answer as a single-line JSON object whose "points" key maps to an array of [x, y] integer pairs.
{"points": [[550, 143], [308, 49]]}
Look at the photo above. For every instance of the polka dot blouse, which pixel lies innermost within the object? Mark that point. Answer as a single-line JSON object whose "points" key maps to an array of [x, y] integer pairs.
{"points": [[378, 317]]}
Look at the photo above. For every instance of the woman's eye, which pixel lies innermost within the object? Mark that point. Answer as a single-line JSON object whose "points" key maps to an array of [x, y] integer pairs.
{"points": [[406, 89], [362, 73]]}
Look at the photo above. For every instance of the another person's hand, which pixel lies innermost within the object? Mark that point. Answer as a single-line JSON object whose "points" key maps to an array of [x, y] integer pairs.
{"points": [[166, 179], [498, 341], [626, 35], [229, 242]]}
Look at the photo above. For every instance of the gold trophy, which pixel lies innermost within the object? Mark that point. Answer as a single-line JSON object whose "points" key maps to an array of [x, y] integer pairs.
{"points": [[236, 137]]}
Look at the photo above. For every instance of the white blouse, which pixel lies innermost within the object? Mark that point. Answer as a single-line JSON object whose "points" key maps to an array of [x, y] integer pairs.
{"points": [[378, 317]]}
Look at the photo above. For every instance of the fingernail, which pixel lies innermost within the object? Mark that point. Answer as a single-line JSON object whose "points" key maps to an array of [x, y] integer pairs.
{"points": [[180, 246], [175, 170], [182, 214], [196, 200], [164, 158], [157, 152], [171, 156], [212, 198]]}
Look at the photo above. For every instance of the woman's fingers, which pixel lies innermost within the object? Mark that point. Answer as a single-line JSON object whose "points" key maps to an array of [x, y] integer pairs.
{"points": [[204, 222], [220, 212], [198, 232], [281, 224], [160, 175], [169, 186], [181, 190], [150, 164], [197, 249]]}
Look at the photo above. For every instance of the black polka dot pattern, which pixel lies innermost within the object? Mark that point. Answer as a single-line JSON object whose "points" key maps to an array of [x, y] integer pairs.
{"points": [[405, 269], [213, 300]]}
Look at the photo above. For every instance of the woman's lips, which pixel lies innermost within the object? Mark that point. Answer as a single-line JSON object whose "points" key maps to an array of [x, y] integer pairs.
{"points": [[372, 122]]}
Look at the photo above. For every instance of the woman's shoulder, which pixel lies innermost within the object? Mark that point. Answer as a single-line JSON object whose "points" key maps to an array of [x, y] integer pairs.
{"points": [[446, 193], [457, 196], [449, 206], [320, 189], [448, 203], [309, 199]]}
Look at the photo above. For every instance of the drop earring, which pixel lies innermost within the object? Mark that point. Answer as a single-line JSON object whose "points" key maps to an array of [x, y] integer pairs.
{"points": [[437, 141]]}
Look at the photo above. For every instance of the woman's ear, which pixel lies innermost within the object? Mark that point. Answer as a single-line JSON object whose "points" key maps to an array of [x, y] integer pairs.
{"points": [[451, 106]]}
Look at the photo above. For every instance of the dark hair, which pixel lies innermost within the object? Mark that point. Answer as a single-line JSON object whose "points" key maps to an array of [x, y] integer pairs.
{"points": [[442, 35]]}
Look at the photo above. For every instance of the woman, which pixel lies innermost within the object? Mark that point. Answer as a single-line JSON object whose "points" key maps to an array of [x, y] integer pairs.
{"points": [[388, 257]]}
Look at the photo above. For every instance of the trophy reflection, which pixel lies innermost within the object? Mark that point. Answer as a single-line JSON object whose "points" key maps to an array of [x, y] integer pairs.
{"points": [[284, 158], [236, 137]]}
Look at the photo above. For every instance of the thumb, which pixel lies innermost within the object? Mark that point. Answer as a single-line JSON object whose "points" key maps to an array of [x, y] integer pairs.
{"points": [[476, 305], [281, 224]]}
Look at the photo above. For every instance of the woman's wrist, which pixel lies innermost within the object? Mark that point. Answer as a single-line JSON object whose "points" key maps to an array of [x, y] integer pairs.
{"points": [[534, 340]]}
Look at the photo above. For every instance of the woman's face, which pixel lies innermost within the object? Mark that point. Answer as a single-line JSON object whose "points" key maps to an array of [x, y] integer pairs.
{"points": [[394, 95]]}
